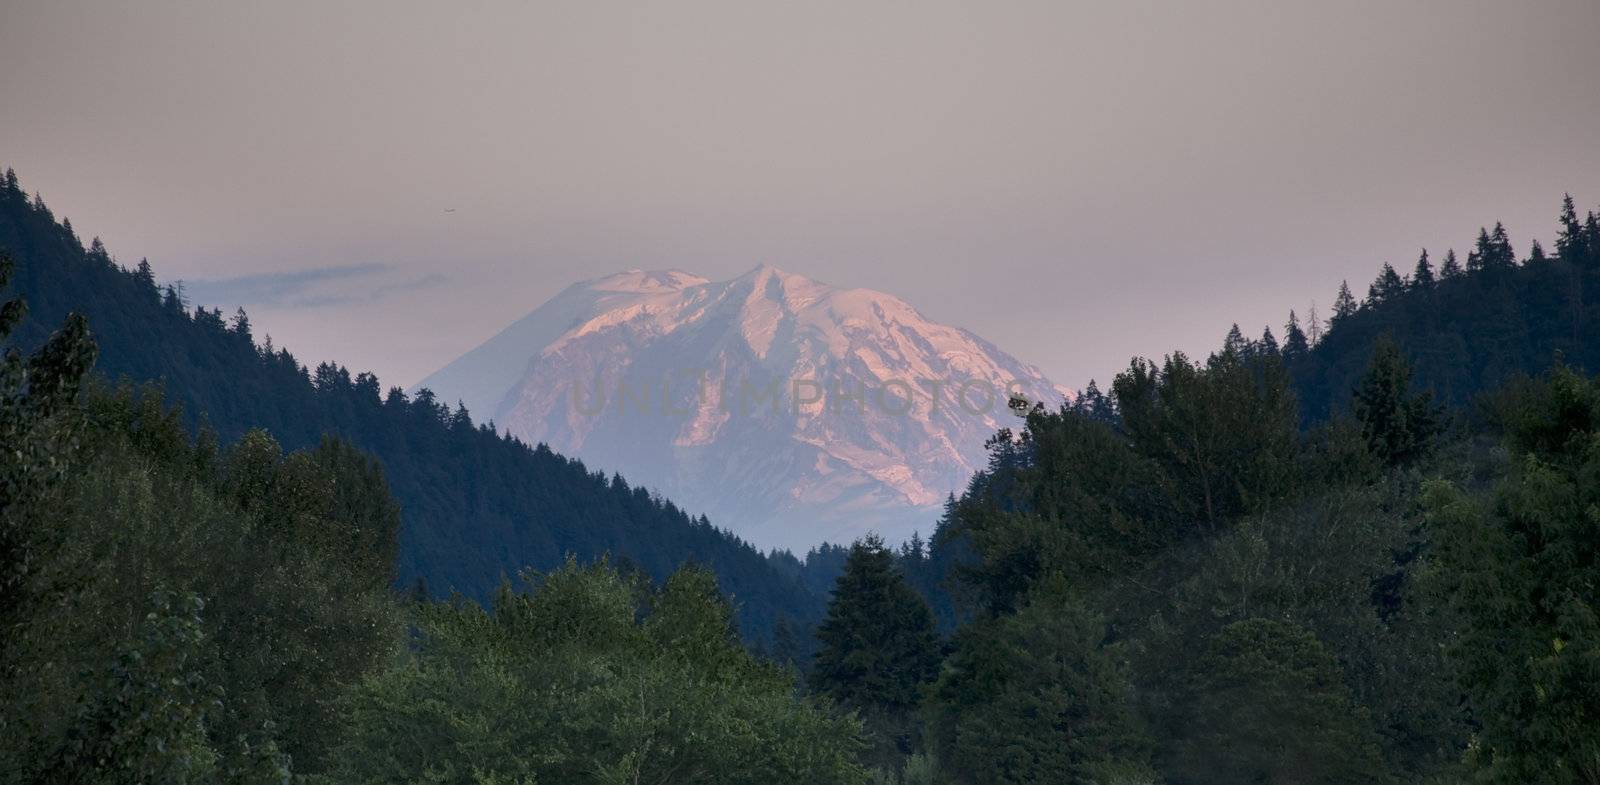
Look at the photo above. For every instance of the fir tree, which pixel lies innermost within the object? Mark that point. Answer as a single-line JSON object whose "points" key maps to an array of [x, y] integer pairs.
{"points": [[241, 324], [1570, 243], [146, 277], [1234, 343], [1500, 253], [1344, 304], [1451, 267], [1422, 277], [1398, 426], [1269, 342], [1294, 340], [1477, 258], [1536, 253], [878, 646], [1591, 234], [1387, 286]]}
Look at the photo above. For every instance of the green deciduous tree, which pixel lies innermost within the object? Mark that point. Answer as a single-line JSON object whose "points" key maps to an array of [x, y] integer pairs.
{"points": [[579, 681], [1034, 697], [1268, 704], [1524, 572]]}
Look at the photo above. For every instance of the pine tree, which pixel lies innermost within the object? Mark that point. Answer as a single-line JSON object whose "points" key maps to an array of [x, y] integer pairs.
{"points": [[1591, 238], [1313, 325], [1234, 343], [1344, 304], [241, 324], [878, 646], [1570, 244], [1477, 258], [1501, 255], [1398, 426], [146, 277], [1451, 268], [1294, 340], [1269, 342], [1536, 254], [1422, 277], [1387, 286]]}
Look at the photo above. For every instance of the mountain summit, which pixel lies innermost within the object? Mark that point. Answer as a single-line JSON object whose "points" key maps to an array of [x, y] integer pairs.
{"points": [[788, 410]]}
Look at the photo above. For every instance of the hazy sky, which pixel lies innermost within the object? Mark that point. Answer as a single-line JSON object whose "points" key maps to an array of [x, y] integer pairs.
{"points": [[1078, 182]]}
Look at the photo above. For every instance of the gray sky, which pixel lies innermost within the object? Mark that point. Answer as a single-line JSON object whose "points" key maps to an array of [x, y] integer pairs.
{"points": [[1077, 182]]}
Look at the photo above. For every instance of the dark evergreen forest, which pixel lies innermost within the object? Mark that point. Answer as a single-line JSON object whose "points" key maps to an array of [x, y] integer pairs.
{"points": [[477, 506]]}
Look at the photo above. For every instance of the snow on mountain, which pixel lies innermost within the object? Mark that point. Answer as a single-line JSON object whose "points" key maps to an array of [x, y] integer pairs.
{"points": [[789, 411]]}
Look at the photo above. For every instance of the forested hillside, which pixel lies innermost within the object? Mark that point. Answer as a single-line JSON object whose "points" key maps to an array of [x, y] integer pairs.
{"points": [[179, 610], [475, 506], [1286, 562], [1466, 326]]}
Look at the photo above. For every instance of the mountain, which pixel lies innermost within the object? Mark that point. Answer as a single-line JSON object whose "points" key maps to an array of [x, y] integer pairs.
{"points": [[475, 505], [791, 411]]}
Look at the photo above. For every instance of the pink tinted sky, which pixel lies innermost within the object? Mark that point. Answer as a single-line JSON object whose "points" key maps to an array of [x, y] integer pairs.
{"points": [[1078, 182]]}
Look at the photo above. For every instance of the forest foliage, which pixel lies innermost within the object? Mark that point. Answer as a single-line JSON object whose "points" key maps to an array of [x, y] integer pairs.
{"points": [[476, 504]]}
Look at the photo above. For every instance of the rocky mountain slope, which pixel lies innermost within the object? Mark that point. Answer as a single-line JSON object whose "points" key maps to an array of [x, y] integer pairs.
{"points": [[788, 410]]}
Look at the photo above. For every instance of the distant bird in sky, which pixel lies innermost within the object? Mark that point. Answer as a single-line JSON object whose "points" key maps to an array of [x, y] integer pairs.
{"points": [[449, 209]]}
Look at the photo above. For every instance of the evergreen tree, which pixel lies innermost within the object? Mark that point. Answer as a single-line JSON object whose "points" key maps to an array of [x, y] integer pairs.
{"points": [[1387, 286], [1344, 304], [1234, 343], [1451, 268], [1571, 246], [1536, 253], [1094, 404], [240, 326], [1422, 277], [145, 277], [1295, 346], [878, 646], [1398, 426], [1269, 342], [1500, 255], [1478, 257], [171, 302]]}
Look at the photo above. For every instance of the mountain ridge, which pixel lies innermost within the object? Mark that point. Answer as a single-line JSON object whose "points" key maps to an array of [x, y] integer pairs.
{"points": [[792, 410]]}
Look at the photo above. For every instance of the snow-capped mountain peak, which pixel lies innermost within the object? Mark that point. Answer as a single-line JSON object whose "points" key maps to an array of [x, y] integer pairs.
{"points": [[789, 410]]}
